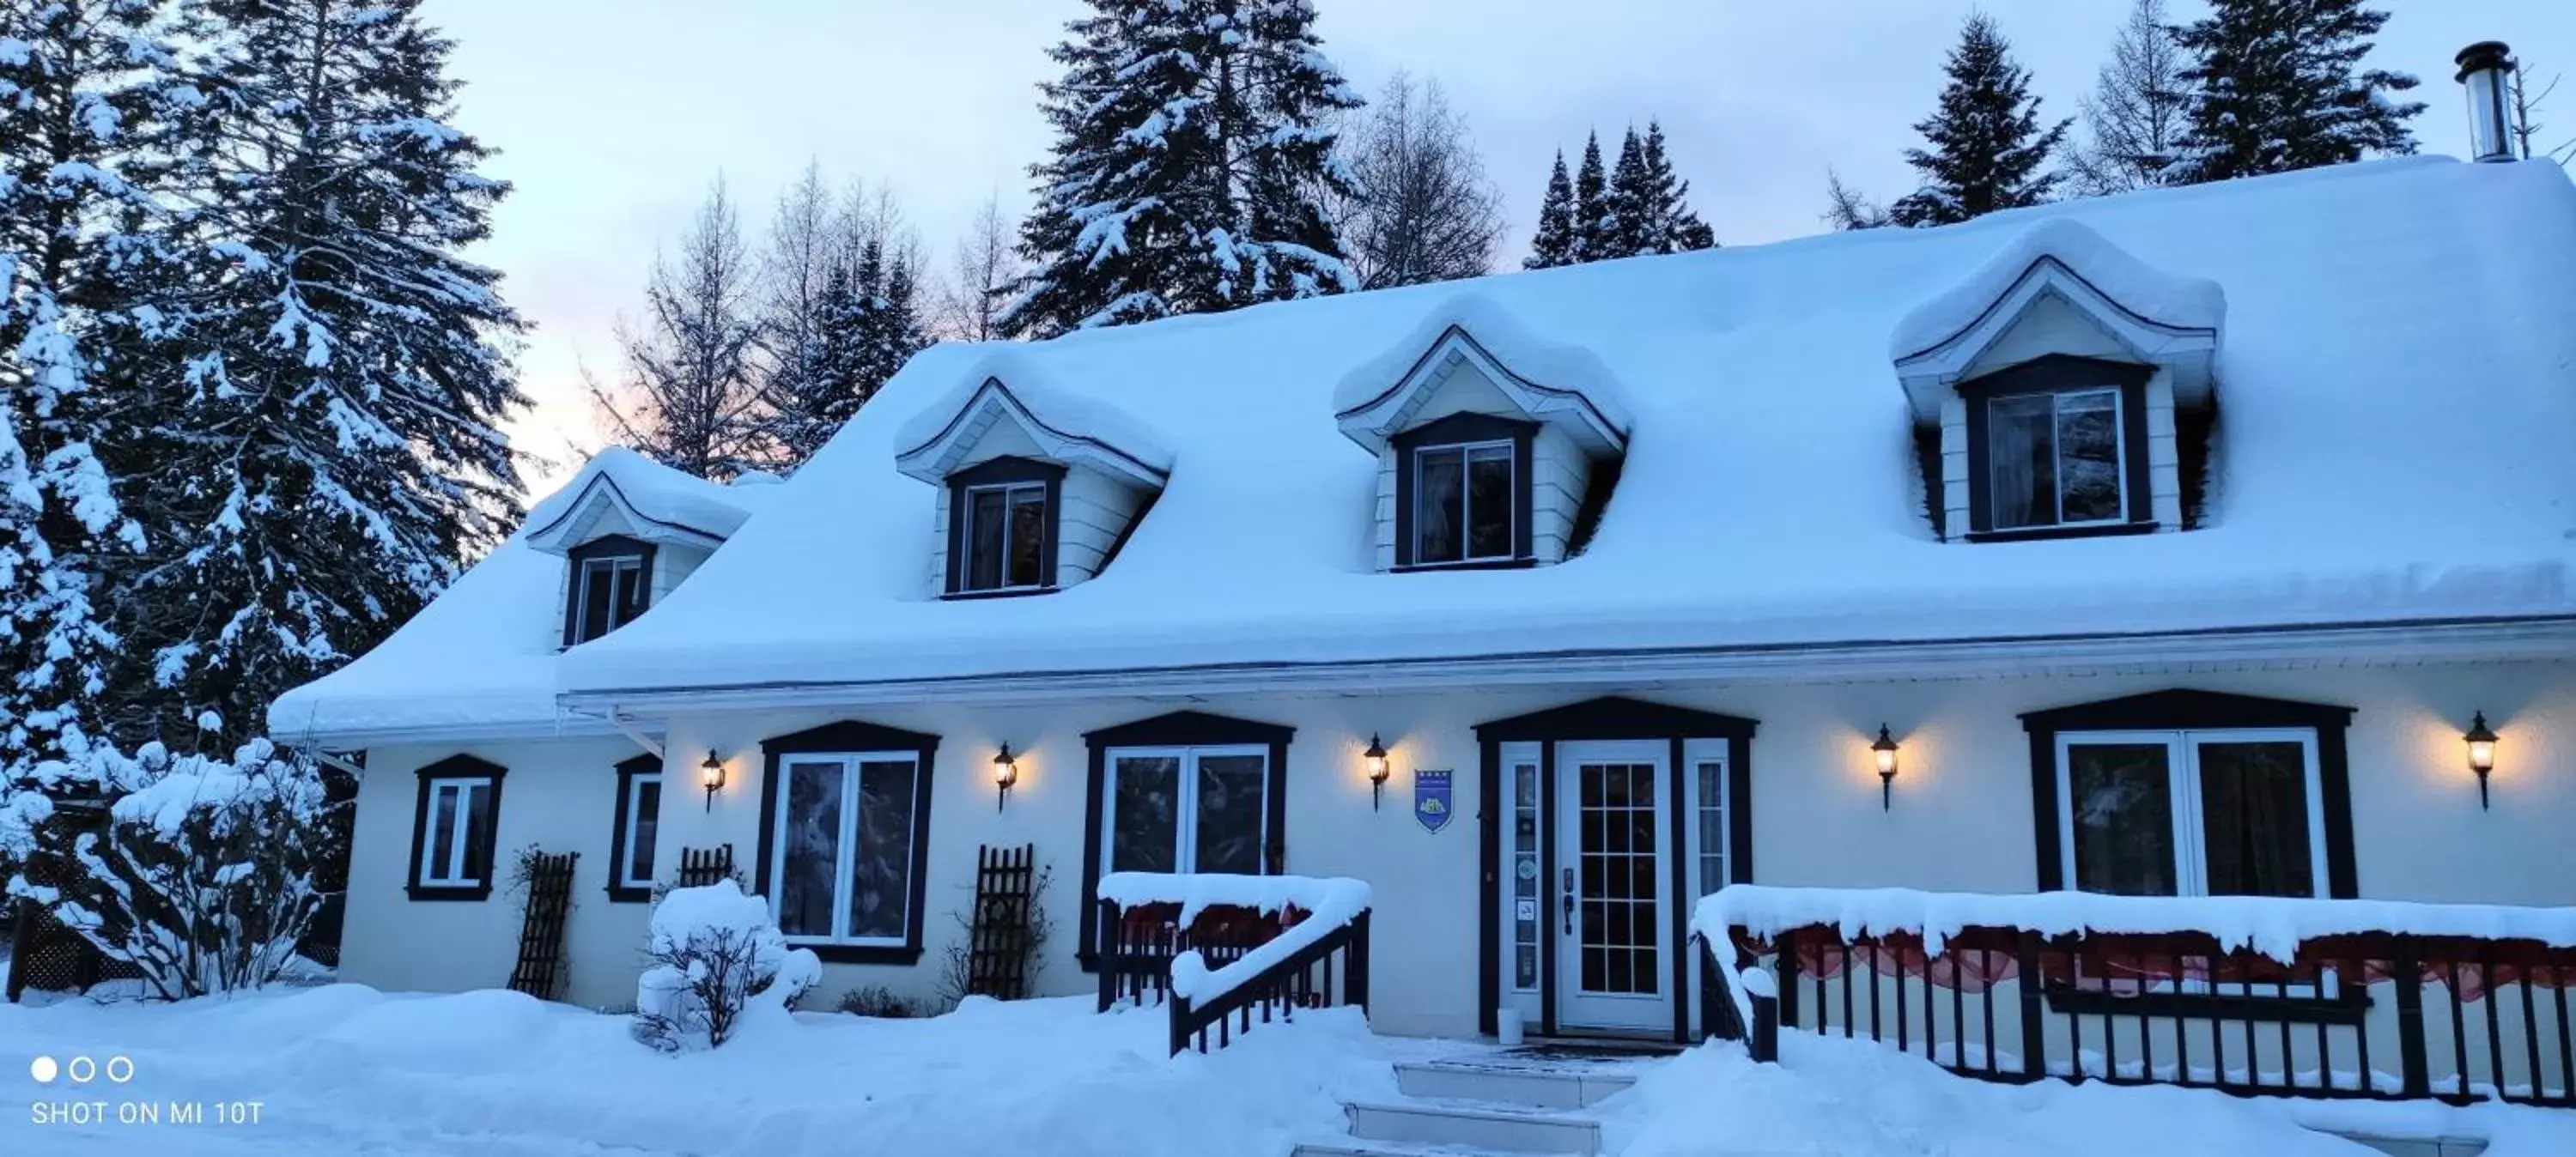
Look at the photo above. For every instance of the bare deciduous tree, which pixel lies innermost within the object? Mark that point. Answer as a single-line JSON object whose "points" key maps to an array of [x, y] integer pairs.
{"points": [[1422, 209], [986, 265], [689, 396], [1846, 208], [2140, 105]]}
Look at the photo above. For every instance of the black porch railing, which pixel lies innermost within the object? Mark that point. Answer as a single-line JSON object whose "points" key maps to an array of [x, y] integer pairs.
{"points": [[1138, 945], [2367, 1015]]}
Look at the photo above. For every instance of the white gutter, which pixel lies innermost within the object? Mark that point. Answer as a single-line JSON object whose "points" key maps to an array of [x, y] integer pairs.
{"points": [[2493, 640]]}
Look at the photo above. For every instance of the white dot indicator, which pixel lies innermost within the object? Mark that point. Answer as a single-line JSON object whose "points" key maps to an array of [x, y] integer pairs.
{"points": [[44, 1070]]}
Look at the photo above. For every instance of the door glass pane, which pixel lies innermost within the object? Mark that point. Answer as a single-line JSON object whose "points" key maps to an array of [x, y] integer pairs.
{"points": [[2121, 798], [1229, 814], [2254, 818], [1439, 507], [2088, 455], [881, 871], [1525, 898], [1144, 810], [1617, 893], [1028, 536], [1712, 826], [598, 597], [811, 857], [2021, 461], [442, 832], [1489, 502], [984, 533], [646, 820]]}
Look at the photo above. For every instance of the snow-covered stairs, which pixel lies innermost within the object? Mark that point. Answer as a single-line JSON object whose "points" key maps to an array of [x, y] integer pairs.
{"points": [[1480, 1107]]}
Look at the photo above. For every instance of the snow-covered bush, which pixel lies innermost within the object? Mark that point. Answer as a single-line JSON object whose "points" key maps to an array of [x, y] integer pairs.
{"points": [[715, 957], [197, 871]]}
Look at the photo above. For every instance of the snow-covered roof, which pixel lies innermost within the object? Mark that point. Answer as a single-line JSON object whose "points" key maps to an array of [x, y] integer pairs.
{"points": [[1548, 381], [481, 658], [1066, 425], [2397, 411]]}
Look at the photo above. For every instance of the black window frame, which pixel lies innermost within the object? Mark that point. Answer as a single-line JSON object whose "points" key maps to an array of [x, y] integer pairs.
{"points": [[608, 547], [2062, 374], [850, 736], [1002, 472], [1177, 729], [620, 892], [1458, 430], [2193, 710], [456, 767]]}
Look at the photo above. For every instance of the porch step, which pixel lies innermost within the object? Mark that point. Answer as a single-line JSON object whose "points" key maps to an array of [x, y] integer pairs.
{"points": [[1490, 1127], [1534, 1087]]}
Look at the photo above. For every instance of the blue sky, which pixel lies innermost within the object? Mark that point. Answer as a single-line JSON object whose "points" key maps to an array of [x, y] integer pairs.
{"points": [[612, 116]]}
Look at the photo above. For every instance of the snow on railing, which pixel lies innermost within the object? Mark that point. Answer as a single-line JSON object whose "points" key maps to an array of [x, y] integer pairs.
{"points": [[1277, 936], [2271, 926]]}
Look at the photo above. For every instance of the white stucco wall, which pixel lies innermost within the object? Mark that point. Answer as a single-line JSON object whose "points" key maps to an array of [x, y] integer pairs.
{"points": [[1961, 817]]}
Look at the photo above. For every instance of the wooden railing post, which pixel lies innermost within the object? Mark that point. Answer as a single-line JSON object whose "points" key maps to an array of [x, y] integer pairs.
{"points": [[1765, 1038], [1356, 978], [2413, 1060], [1180, 1022], [1788, 976], [1106, 956], [2034, 1012]]}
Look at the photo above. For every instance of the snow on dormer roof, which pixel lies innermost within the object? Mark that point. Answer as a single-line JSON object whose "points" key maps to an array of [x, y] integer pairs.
{"points": [[622, 492], [1548, 381], [1010, 385]]}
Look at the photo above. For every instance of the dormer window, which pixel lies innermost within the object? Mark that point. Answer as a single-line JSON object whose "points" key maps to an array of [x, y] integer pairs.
{"points": [[1002, 527], [2058, 446], [1465, 492], [612, 581]]}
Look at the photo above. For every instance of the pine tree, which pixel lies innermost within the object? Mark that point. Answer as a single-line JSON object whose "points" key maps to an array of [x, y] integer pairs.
{"points": [[1190, 167], [1556, 241], [81, 82], [329, 450], [2280, 87], [1987, 144], [1627, 218], [1591, 205], [1671, 226]]}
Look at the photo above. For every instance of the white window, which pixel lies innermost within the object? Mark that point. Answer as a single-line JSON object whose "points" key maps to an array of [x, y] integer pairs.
{"points": [[643, 823], [843, 847], [609, 593], [2054, 459], [1708, 820], [456, 838], [2192, 813], [1462, 503], [1005, 537], [1186, 809]]}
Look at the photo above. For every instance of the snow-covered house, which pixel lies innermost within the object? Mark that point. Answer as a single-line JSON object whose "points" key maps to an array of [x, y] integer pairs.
{"points": [[2167, 543]]}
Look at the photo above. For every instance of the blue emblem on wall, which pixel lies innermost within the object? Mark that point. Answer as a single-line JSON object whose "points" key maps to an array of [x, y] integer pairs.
{"points": [[1431, 799]]}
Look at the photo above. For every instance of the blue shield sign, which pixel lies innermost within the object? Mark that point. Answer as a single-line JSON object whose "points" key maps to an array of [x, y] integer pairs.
{"points": [[1431, 799]]}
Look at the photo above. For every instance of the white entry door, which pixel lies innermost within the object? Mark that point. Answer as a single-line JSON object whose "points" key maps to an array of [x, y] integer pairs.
{"points": [[1613, 885]]}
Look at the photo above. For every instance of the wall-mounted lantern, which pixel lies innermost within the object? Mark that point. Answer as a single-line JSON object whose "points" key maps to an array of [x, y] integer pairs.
{"points": [[2481, 753], [712, 774], [1885, 751], [1006, 771], [1375, 758]]}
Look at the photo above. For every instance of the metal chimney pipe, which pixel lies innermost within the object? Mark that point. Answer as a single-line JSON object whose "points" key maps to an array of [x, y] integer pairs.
{"points": [[2486, 69]]}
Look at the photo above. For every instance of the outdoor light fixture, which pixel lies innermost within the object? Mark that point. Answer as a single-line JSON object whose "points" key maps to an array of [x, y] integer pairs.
{"points": [[1376, 757], [712, 774], [1885, 750], [1006, 771], [2481, 753]]}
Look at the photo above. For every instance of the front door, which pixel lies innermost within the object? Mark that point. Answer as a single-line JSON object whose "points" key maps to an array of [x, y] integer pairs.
{"points": [[1614, 929]]}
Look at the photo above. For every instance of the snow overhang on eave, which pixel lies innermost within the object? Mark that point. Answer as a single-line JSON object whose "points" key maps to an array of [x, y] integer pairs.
{"points": [[2501, 639], [2162, 319], [574, 522], [1064, 433], [1567, 387]]}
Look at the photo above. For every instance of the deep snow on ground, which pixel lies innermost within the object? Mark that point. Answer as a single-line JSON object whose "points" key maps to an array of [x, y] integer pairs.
{"points": [[344, 1069]]}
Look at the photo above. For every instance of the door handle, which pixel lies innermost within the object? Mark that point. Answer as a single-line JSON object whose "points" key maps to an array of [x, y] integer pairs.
{"points": [[1568, 902]]}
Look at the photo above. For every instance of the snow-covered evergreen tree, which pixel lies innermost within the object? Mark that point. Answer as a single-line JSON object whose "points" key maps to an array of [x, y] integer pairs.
{"points": [[1627, 216], [83, 88], [1193, 154], [329, 447], [1988, 149], [1592, 205], [868, 327], [1666, 222], [689, 397], [2279, 86], [1557, 236]]}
